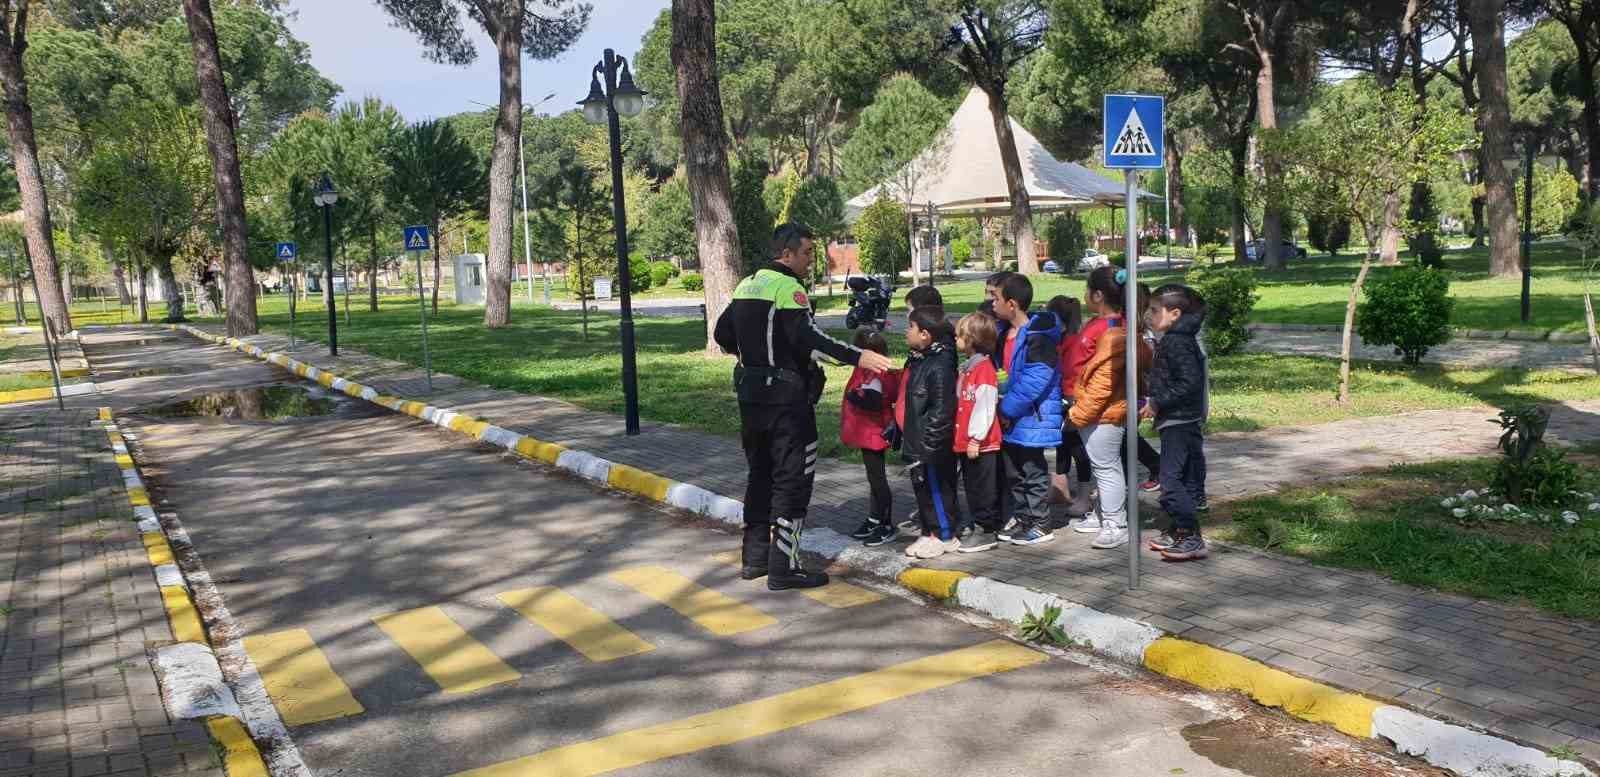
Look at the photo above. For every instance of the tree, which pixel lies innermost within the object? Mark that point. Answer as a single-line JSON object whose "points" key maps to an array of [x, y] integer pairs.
{"points": [[436, 176], [515, 27], [1359, 152], [819, 205], [1327, 233], [705, 153], [217, 111], [362, 134], [669, 228], [25, 158], [750, 213], [1268, 26], [1487, 21], [881, 237], [900, 144], [1581, 18]]}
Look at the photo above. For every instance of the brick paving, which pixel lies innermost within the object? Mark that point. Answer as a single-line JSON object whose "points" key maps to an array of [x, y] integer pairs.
{"points": [[1514, 670], [78, 695]]}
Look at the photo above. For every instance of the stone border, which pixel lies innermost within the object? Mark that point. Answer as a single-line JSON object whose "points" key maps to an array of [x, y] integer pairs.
{"points": [[1466, 751]]}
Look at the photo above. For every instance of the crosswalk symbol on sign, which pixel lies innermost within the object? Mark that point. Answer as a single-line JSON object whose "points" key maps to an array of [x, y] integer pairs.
{"points": [[416, 238], [287, 252], [1133, 140]]}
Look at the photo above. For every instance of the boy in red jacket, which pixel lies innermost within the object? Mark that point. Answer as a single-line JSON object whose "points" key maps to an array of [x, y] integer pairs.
{"points": [[868, 409], [977, 441]]}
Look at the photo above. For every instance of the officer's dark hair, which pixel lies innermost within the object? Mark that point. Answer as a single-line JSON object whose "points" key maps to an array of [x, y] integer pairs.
{"points": [[869, 340], [1176, 295], [995, 280], [788, 237], [930, 319], [1017, 289], [922, 296]]}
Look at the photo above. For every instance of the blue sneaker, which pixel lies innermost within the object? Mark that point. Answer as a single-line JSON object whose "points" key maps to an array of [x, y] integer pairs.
{"points": [[1031, 535]]}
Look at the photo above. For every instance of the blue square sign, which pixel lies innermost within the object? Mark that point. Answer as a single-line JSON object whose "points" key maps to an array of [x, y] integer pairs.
{"points": [[286, 252], [1134, 126], [416, 239]]}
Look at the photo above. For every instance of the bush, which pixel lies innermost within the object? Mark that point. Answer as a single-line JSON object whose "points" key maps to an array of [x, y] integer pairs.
{"points": [[661, 272], [1208, 253], [1066, 239], [1408, 309], [1531, 474], [1422, 224], [1118, 259], [961, 251], [1327, 234], [1230, 295], [639, 271], [693, 282], [881, 238]]}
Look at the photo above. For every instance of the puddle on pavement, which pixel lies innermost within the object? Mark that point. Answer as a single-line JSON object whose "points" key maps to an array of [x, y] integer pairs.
{"points": [[1263, 751], [144, 372], [258, 403]]}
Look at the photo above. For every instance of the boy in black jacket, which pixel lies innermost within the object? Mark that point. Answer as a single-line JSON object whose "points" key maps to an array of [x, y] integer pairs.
{"points": [[928, 425], [1180, 399]]}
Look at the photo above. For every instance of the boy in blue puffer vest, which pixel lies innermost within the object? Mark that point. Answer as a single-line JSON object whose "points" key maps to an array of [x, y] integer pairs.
{"points": [[1030, 409]]}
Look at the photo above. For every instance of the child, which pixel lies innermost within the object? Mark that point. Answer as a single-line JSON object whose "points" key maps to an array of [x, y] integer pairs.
{"points": [[978, 433], [1071, 452], [991, 291], [866, 411], [927, 418], [1179, 402], [1100, 408], [1030, 409], [922, 296]]}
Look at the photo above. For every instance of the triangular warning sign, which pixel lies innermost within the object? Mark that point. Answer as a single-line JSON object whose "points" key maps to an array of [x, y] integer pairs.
{"points": [[418, 241], [1133, 140], [286, 253]]}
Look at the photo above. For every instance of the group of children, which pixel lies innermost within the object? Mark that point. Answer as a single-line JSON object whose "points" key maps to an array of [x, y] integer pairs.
{"points": [[982, 399]]}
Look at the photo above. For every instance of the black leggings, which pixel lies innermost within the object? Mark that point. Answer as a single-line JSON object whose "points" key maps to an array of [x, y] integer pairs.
{"points": [[878, 481], [1071, 452], [1148, 458]]}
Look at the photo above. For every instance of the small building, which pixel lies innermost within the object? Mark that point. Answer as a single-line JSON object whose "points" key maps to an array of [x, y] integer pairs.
{"points": [[469, 279]]}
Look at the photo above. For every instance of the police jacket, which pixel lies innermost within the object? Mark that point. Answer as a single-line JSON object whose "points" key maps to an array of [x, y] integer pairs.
{"points": [[930, 414], [769, 327]]}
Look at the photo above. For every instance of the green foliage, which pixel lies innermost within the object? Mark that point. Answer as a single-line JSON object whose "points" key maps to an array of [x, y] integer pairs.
{"points": [[1326, 233], [1422, 226], [903, 121], [961, 251], [661, 273], [881, 238], [1066, 239], [1530, 473], [1043, 628], [1409, 308], [436, 175], [668, 228], [818, 204], [643, 276], [1208, 253], [1555, 198], [750, 214], [693, 282], [1230, 295]]}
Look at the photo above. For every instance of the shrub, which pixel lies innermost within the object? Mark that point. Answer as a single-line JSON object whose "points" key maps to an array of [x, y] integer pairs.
{"points": [[661, 272], [1118, 259], [1208, 253], [1327, 234], [1066, 238], [1230, 295], [881, 238], [961, 251], [1531, 474], [1422, 224], [1408, 309], [693, 282], [639, 271]]}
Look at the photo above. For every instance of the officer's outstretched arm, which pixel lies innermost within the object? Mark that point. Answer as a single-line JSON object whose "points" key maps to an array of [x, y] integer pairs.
{"points": [[805, 336]]}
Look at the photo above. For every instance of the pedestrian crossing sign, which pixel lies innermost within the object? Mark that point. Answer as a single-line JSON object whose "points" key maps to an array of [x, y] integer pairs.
{"points": [[287, 252], [1134, 130], [416, 238]]}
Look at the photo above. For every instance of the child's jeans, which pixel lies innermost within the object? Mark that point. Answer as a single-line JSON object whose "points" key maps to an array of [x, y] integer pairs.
{"points": [[934, 483], [983, 482], [878, 480], [1104, 442], [1029, 475], [1183, 478]]}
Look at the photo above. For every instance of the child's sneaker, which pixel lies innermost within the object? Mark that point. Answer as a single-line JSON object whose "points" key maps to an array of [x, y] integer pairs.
{"points": [[866, 529], [1088, 524], [1032, 535], [937, 547], [1163, 541], [921, 544], [977, 541], [883, 534], [912, 525], [1190, 548], [1012, 528], [1150, 486], [1110, 536]]}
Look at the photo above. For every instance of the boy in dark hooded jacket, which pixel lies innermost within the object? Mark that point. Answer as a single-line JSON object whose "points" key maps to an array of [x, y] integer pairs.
{"points": [[927, 417], [1180, 400]]}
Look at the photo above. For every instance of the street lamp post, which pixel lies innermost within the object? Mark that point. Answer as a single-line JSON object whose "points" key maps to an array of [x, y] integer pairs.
{"points": [[522, 167], [326, 196], [619, 97], [1530, 146]]}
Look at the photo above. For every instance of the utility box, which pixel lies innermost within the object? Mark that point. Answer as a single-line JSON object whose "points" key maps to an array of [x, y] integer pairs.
{"points": [[469, 279]]}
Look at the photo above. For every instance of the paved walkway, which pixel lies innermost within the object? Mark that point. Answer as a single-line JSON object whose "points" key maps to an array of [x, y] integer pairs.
{"points": [[77, 692], [1459, 352], [1514, 670]]}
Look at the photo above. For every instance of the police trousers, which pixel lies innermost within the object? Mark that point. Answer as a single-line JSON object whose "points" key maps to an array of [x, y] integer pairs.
{"points": [[780, 445]]}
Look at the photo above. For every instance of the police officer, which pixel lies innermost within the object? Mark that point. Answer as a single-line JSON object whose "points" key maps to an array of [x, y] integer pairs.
{"points": [[769, 327]]}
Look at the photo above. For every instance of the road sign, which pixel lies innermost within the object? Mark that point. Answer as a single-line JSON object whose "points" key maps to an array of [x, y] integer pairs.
{"points": [[417, 239], [1134, 126], [602, 288], [287, 252]]}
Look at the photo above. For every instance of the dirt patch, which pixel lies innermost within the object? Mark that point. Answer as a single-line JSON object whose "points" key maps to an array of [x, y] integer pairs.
{"points": [[1262, 746], [264, 403]]}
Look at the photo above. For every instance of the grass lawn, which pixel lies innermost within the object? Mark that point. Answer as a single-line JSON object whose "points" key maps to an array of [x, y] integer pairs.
{"points": [[1391, 523], [543, 353], [1315, 290]]}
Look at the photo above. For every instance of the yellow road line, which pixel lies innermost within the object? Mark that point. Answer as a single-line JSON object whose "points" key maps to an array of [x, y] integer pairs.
{"points": [[589, 632], [721, 615], [456, 661], [767, 716], [182, 615], [836, 594], [299, 678], [239, 754]]}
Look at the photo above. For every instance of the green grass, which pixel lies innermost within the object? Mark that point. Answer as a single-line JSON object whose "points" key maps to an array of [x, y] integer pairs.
{"points": [[1391, 523], [1315, 290], [543, 353]]}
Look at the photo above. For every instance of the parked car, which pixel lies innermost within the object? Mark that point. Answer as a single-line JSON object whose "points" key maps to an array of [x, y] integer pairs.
{"points": [[1051, 266], [1093, 260], [1255, 248]]}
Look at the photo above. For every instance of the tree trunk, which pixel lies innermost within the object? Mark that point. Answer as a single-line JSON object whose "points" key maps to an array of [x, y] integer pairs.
{"points": [[1586, 91], [123, 298], [1477, 222], [502, 174], [372, 271], [1178, 221], [1272, 257], [1389, 242], [144, 302], [1594, 336], [705, 155], [170, 291], [1487, 20], [1237, 156], [1016, 185], [217, 113], [36, 227], [1350, 319]]}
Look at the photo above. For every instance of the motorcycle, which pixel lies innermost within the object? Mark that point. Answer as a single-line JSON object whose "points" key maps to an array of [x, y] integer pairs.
{"points": [[869, 302]]}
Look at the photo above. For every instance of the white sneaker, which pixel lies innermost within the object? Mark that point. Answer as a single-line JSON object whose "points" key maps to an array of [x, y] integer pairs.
{"points": [[936, 547], [1110, 536], [917, 547], [1088, 524]]}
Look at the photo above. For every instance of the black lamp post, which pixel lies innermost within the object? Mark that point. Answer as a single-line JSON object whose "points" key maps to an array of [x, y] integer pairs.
{"points": [[1530, 145], [619, 96], [326, 196]]}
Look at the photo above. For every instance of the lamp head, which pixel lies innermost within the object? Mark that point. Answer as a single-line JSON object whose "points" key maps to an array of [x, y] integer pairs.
{"points": [[594, 106], [628, 97], [326, 194]]}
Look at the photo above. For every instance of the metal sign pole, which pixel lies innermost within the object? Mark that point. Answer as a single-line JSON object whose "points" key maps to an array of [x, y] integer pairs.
{"points": [[1130, 323], [422, 305], [292, 294]]}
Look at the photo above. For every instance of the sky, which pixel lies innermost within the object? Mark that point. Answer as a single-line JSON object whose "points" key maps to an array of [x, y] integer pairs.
{"points": [[353, 43]]}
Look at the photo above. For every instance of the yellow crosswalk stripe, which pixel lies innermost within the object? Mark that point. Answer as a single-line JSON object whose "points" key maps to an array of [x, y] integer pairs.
{"points": [[299, 679], [837, 594], [721, 615], [456, 661], [594, 635], [767, 716]]}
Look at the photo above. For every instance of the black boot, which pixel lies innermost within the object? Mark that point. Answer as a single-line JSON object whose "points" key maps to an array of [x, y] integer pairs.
{"points": [[753, 563], [783, 559]]}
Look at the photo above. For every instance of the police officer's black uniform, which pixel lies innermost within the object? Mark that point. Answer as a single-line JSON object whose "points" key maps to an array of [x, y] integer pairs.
{"points": [[769, 326]]}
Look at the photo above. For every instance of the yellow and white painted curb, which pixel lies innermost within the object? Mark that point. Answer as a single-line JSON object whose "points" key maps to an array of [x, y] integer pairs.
{"points": [[192, 683], [1466, 751]]}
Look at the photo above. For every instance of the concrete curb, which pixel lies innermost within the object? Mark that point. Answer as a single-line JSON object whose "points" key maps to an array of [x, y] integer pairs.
{"points": [[1466, 751]]}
